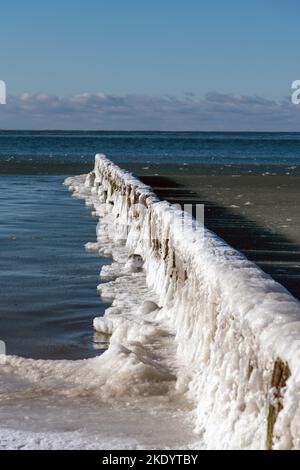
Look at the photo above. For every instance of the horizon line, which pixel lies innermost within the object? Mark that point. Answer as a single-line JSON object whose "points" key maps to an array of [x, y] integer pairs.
{"points": [[155, 130]]}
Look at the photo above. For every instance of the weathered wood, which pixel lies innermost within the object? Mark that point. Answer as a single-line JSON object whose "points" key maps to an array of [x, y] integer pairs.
{"points": [[281, 373]]}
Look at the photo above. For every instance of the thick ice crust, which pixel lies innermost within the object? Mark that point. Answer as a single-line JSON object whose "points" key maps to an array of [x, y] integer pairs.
{"points": [[236, 331]]}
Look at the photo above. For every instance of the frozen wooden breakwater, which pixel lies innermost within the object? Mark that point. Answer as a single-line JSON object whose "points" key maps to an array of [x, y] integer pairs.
{"points": [[198, 318]]}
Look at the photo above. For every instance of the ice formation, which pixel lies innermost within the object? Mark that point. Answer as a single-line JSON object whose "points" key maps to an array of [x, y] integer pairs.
{"points": [[191, 316]]}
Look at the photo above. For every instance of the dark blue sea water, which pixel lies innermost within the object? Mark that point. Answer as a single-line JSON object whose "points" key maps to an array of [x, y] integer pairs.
{"points": [[72, 152], [48, 282]]}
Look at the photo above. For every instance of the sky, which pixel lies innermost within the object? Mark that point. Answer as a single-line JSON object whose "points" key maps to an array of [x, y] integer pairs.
{"points": [[166, 65]]}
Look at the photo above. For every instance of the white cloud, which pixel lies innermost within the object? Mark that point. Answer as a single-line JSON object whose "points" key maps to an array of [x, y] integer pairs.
{"points": [[216, 111]]}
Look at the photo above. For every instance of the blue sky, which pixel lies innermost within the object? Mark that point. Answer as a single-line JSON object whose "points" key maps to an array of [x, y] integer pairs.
{"points": [[158, 48]]}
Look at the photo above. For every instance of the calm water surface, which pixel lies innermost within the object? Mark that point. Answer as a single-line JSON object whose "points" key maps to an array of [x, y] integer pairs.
{"points": [[48, 282]]}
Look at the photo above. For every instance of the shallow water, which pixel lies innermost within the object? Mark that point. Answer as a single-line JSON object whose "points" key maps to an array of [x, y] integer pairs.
{"points": [[48, 281]]}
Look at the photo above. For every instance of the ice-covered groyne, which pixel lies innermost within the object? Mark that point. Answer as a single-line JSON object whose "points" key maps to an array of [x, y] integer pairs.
{"points": [[237, 331]]}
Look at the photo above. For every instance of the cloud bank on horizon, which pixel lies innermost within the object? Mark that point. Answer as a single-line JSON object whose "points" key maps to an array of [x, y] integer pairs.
{"points": [[99, 111]]}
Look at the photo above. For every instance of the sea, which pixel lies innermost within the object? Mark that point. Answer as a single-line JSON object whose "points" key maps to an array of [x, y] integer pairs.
{"points": [[48, 281], [70, 152], [48, 296]]}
